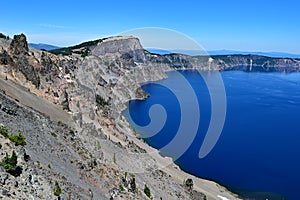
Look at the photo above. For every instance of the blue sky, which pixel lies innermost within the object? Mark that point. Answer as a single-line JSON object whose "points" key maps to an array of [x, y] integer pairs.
{"points": [[254, 25]]}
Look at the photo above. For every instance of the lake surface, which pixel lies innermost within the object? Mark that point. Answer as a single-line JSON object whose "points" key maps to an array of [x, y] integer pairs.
{"points": [[258, 152]]}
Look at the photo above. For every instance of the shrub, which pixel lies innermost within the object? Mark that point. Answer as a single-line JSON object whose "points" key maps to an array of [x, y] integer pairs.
{"points": [[121, 188], [189, 184], [133, 185], [101, 101], [85, 52], [147, 191], [95, 163], [57, 190], [10, 164], [126, 175], [18, 139], [4, 131]]}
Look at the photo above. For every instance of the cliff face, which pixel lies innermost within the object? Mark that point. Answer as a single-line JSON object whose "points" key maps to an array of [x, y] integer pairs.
{"points": [[249, 63], [5, 58], [252, 63], [92, 82], [127, 47]]}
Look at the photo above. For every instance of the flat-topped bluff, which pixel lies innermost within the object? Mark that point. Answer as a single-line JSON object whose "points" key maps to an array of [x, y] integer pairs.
{"points": [[129, 47], [123, 45]]}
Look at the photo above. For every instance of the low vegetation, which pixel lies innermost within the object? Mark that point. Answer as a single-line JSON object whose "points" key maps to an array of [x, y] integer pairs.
{"points": [[9, 163], [57, 190], [82, 48], [147, 191], [18, 139], [189, 184], [101, 101], [4, 131]]}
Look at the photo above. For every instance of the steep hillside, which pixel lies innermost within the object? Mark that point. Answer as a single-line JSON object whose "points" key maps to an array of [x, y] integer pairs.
{"points": [[52, 154]]}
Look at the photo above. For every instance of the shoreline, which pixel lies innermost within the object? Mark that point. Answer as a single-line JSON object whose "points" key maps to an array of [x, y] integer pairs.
{"points": [[210, 188]]}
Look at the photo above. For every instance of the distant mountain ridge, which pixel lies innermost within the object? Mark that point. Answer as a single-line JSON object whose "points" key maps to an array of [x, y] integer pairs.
{"points": [[268, 54], [41, 46], [224, 52]]}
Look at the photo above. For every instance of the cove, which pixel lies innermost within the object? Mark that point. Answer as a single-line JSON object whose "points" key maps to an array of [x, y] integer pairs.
{"points": [[257, 155]]}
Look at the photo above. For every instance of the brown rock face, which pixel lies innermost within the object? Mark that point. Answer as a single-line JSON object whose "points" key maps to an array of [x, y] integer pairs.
{"points": [[19, 52], [19, 45], [5, 59]]}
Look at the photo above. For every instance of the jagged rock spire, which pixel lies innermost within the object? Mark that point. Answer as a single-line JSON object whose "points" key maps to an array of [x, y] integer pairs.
{"points": [[19, 45]]}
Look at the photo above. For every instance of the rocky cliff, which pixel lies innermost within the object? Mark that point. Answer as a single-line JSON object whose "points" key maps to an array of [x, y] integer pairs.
{"points": [[68, 104], [249, 63]]}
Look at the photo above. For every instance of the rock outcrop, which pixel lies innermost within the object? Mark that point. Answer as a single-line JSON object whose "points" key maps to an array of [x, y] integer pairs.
{"points": [[5, 58], [129, 48], [19, 45], [19, 59]]}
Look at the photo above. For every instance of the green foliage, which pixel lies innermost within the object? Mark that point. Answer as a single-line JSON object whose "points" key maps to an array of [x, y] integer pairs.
{"points": [[147, 191], [132, 175], [10, 164], [63, 51], [85, 52], [121, 188], [87, 44], [126, 175], [57, 190], [95, 163], [101, 101], [189, 184], [53, 134], [4, 131], [18, 139], [69, 50], [98, 144]]}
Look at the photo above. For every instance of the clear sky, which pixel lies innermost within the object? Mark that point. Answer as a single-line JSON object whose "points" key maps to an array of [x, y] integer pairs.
{"points": [[253, 25]]}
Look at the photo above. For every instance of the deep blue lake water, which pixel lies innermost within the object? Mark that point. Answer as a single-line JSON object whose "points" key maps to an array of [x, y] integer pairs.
{"points": [[258, 152]]}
